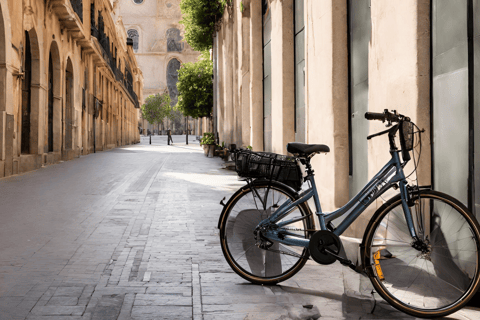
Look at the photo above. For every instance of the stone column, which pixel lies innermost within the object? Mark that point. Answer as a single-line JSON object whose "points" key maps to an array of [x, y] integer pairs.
{"points": [[327, 96], [256, 76], [283, 75], [237, 85], [220, 86], [245, 74], [228, 79]]}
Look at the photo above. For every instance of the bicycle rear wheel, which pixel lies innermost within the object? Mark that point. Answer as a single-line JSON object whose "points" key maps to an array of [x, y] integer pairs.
{"points": [[243, 213], [435, 281]]}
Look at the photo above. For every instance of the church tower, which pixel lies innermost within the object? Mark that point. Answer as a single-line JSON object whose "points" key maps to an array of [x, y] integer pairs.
{"points": [[158, 42]]}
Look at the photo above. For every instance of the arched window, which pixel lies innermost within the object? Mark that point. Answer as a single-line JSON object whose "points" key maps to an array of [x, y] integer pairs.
{"points": [[174, 40], [133, 34], [172, 79]]}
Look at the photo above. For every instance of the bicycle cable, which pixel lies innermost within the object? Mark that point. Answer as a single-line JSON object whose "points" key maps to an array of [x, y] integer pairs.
{"points": [[416, 162]]}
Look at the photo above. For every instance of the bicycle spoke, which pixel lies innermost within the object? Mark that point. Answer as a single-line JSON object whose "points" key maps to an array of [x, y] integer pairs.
{"points": [[438, 276]]}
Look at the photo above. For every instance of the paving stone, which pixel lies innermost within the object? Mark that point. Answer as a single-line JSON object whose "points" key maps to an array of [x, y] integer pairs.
{"points": [[68, 292], [34, 317], [58, 310], [63, 301], [161, 300], [161, 312], [108, 307]]}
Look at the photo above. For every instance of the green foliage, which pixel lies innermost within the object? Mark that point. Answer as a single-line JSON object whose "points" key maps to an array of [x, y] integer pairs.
{"points": [[195, 87], [156, 108], [199, 18], [222, 146], [208, 138], [178, 119], [242, 7], [250, 148]]}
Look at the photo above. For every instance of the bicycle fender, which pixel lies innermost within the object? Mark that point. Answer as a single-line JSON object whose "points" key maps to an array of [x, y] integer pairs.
{"points": [[225, 206]]}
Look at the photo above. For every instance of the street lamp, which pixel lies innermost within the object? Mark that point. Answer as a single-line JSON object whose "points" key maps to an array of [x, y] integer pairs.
{"points": [[186, 129]]}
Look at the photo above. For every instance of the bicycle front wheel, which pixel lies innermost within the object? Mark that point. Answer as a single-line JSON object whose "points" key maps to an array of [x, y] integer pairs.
{"points": [[433, 281], [244, 211]]}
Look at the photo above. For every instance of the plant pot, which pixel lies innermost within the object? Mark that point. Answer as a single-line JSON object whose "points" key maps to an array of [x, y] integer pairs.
{"points": [[211, 150], [225, 154]]}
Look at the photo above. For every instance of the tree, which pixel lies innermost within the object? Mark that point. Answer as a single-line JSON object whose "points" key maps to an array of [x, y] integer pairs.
{"points": [[199, 19], [195, 86], [156, 108]]}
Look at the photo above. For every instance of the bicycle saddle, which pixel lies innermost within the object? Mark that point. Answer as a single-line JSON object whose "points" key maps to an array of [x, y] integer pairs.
{"points": [[306, 149]]}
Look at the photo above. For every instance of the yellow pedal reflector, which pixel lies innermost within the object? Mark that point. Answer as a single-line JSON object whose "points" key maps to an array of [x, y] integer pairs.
{"points": [[376, 258]]}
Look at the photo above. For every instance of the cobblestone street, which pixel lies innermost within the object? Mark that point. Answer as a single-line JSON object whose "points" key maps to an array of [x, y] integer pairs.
{"points": [[131, 233]]}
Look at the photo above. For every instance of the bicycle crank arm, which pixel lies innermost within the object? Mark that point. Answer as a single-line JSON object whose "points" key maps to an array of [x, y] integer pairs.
{"points": [[342, 260]]}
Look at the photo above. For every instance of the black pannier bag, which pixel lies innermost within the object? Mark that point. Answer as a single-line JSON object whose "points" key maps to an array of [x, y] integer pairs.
{"points": [[270, 166]]}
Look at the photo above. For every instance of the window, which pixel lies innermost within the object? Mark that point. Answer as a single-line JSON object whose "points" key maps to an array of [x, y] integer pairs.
{"points": [[133, 34]]}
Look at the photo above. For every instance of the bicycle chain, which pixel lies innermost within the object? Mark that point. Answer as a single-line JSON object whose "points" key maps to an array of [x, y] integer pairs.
{"points": [[290, 253], [295, 229]]}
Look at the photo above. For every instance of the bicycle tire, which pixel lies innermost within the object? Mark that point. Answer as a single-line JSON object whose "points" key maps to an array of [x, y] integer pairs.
{"points": [[427, 284], [237, 223]]}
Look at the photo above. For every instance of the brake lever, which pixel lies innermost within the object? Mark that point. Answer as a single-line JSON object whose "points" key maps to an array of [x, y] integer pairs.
{"points": [[378, 134]]}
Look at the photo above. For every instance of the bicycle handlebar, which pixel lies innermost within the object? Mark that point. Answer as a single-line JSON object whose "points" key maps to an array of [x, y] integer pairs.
{"points": [[374, 116], [385, 116]]}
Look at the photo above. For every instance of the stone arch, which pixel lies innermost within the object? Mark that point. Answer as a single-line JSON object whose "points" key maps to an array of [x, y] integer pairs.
{"points": [[28, 120], [54, 99], [69, 105], [172, 79]]}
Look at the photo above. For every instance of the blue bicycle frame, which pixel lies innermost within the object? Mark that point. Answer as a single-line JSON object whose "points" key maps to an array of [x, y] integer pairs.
{"points": [[386, 178]]}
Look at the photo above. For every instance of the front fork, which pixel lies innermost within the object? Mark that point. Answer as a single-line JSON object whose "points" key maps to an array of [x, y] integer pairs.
{"points": [[405, 194]]}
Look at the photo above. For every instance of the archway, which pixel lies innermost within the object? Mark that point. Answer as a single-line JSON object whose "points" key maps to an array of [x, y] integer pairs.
{"points": [[29, 114], [69, 110], [54, 101], [26, 96]]}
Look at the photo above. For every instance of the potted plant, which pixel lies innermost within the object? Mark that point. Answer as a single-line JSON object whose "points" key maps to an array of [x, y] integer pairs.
{"points": [[220, 150], [208, 143]]}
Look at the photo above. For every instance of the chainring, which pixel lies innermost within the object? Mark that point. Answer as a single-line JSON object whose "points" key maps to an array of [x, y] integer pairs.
{"points": [[322, 240]]}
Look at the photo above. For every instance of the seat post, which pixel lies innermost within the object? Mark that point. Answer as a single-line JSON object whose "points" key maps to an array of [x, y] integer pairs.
{"points": [[308, 166]]}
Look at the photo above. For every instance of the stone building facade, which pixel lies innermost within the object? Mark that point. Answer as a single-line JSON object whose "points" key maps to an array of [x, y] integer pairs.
{"points": [[158, 44], [69, 83], [308, 70]]}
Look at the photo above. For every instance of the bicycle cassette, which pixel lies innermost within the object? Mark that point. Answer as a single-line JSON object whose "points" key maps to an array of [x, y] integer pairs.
{"points": [[322, 240]]}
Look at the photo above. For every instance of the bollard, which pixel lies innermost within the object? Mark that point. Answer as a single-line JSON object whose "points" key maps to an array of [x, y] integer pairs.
{"points": [[150, 138]]}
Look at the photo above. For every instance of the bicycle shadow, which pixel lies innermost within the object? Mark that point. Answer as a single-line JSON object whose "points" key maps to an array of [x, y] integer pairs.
{"points": [[355, 307]]}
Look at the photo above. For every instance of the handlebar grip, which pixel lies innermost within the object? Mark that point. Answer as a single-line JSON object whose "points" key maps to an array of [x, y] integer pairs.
{"points": [[375, 116]]}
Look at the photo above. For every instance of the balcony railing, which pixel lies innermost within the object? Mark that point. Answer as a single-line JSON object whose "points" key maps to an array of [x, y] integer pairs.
{"points": [[127, 78], [77, 6], [84, 99], [94, 31], [119, 75]]}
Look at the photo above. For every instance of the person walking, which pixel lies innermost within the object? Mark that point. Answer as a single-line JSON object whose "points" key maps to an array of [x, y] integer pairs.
{"points": [[169, 133]]}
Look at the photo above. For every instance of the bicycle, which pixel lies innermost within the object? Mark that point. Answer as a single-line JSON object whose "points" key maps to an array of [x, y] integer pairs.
{"points": [[420, 248]]}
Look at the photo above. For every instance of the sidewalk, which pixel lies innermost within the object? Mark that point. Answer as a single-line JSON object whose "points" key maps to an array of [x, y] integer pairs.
{"points": [[131, 233]]}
